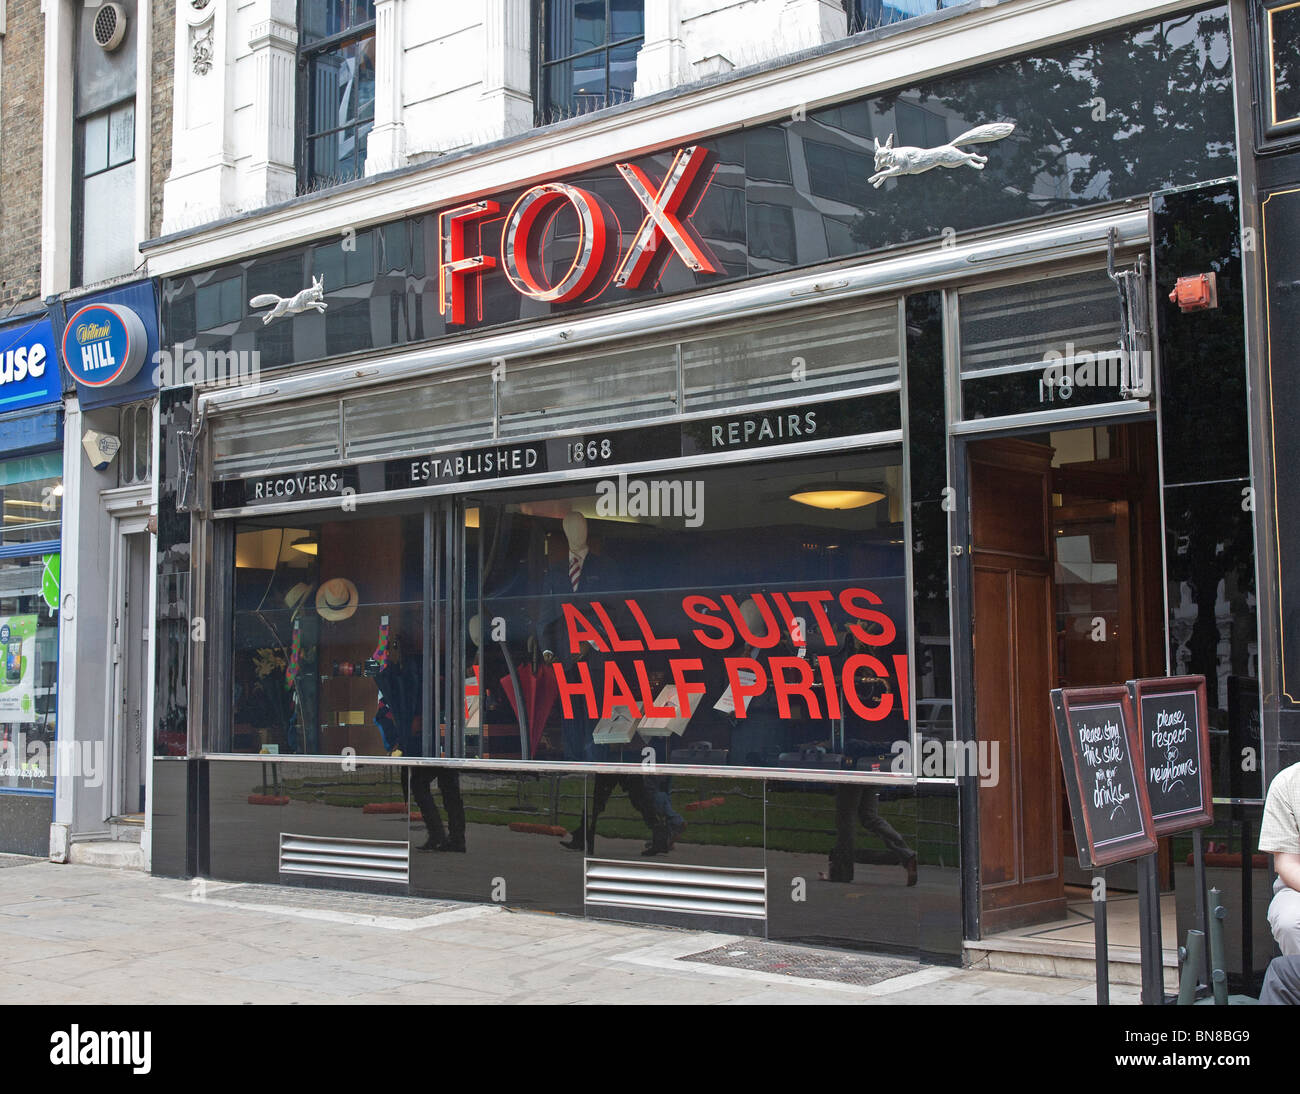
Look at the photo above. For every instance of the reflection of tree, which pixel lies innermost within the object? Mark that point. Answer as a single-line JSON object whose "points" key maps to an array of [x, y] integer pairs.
{"points": [[1125, 114]]}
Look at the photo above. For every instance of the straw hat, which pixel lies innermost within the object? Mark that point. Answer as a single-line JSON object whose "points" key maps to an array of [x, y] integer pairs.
{"points": [[336, 599], [295, 597]]}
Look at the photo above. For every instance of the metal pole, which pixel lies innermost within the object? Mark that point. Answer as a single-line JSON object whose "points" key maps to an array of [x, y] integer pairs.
{"points": [[1247, 897], [1100, 941], [1218, 978], [1198, 871], [1153, 971], [1192, 958]]}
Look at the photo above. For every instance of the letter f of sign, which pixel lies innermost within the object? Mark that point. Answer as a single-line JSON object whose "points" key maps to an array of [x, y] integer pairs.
{"points": [[459, 268], [682, 189]]}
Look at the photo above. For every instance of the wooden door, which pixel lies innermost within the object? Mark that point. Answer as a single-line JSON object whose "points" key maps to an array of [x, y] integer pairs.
{"points": [[1014, 639]]}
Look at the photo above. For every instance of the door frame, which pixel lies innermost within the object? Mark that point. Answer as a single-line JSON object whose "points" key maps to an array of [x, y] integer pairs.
{"points": [[961, 584], [129, 515]]}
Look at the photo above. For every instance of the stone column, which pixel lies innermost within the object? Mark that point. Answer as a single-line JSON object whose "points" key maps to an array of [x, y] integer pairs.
{"points": [[386, 148], [507, 103], [813, 22], [661, 63], [201, 184], [270, 175]]}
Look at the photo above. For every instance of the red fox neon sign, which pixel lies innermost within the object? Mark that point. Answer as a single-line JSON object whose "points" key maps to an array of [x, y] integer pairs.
{"points": [[668, 209]]}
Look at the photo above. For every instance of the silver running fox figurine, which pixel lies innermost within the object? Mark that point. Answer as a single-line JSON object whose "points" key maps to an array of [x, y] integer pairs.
{"points": [[312, 297], [892, 162]]}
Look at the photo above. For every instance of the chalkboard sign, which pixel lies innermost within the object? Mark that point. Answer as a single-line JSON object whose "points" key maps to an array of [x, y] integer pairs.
{"points": [[1175, 751], [1101, 756]]}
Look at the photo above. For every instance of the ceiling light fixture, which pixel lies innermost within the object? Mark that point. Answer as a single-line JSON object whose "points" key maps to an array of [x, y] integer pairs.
{"points": [[837, 495]]}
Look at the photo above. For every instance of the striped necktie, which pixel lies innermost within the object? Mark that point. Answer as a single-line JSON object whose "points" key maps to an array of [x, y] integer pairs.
{"points": [[575, 571]]}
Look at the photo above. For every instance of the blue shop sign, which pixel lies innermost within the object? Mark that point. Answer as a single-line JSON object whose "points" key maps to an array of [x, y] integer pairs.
{"points": [[29, 365], [109, 345]]}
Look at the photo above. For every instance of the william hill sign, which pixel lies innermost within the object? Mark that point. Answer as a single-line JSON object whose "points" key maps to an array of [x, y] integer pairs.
{"points": [[104, 345]]}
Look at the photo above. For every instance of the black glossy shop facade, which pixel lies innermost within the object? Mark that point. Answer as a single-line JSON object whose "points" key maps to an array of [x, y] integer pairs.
{"points": [[787, 197]]}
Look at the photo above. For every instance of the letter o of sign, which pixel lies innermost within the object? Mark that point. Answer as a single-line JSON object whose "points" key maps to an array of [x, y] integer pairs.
{"points": [[526, 227]]}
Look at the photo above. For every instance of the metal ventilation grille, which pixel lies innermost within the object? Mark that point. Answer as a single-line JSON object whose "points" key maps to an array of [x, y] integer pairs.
{"points": [[360, 859], [699, 890], [110, 26]]}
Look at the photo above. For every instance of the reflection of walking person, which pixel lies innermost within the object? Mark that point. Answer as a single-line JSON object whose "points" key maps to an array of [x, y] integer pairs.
{"points": [[861, 803], [418, 782], [639, 794]]}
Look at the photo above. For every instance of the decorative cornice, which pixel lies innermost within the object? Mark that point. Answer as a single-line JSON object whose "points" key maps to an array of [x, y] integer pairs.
{"points": [[274, 33]]}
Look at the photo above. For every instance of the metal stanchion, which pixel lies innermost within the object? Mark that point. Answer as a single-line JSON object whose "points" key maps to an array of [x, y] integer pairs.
{"points": [[1100, 940], [1153, 970], [1193, 955]]}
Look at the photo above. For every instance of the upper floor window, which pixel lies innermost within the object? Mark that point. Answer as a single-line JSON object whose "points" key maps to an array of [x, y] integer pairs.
{"points": [[870, 14], [104, 131], [336, 65], [587, 55]]}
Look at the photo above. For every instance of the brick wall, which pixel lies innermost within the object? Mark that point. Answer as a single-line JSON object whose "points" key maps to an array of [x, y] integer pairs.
{"points": [[22, 78], [160, 116]]}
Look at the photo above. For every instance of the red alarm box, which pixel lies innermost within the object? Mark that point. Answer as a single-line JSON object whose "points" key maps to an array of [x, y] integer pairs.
{"points": [[1196, 293]]}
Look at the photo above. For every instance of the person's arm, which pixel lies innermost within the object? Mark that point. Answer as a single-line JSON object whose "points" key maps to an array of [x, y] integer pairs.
{"points": [[1288, 869]]}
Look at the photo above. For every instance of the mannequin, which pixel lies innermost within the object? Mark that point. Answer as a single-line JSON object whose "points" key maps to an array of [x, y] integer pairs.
{"points": [[583, 574]]}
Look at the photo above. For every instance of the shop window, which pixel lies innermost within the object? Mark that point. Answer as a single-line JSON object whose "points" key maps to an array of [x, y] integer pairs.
{"points": [[587, 56], [1278, 62], [761, 610], [328, 637], [871, 14], [32, 493], [135, 431], [715, 604], [336, 59]]}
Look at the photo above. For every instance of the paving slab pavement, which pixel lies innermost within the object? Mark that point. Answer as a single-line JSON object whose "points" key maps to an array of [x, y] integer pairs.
{"points": [[75, 934]]}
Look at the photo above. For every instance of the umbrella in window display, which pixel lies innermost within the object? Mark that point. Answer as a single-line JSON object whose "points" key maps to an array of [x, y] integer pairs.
{"points": [[539, 691]]}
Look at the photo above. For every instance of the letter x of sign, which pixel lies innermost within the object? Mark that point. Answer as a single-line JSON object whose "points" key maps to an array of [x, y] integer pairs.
{"points": [[686, 180]]}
